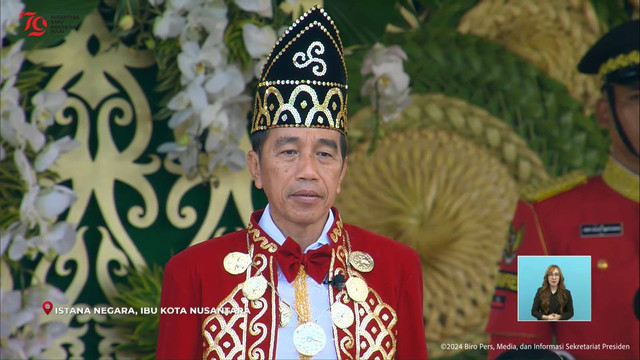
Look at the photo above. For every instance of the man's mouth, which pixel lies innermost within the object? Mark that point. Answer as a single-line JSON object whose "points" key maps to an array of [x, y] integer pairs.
{"points": [[306, 195]]}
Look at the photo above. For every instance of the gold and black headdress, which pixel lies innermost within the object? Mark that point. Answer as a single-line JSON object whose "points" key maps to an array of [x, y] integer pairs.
{"points": [[304, 81]]}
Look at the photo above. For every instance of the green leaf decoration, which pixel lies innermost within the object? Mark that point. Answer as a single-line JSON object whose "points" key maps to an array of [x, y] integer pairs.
{"points": [[486, 74], [142, 289], [168, 78], [362, 22], [613, 12]]}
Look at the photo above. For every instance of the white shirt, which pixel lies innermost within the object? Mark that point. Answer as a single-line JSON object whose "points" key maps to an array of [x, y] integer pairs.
{"points": [[318, 296]]}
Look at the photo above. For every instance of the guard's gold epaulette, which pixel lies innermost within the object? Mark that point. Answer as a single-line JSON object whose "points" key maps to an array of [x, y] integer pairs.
{"points": [[553, 186]]}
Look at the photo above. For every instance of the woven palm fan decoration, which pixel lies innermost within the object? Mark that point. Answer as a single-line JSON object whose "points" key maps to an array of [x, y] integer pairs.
{"points": [[552, 34], [474, 123], [443, 180]]}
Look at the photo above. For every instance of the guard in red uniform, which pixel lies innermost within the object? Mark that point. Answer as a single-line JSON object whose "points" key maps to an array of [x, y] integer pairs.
{"points": [[598, 217], [297, 282]]}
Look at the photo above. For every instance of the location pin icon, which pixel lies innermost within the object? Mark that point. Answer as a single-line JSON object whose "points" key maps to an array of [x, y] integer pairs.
{"points": [[47, 306]]}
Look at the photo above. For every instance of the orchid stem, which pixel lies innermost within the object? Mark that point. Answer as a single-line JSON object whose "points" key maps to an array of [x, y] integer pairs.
{"points": [[376, 121]]}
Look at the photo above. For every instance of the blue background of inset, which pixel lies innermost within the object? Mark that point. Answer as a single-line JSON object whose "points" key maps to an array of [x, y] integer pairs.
{"points": [[577, 279]]}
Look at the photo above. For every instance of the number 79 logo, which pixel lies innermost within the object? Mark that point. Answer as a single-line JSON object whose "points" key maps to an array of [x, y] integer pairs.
{"points": [[38, 23]]}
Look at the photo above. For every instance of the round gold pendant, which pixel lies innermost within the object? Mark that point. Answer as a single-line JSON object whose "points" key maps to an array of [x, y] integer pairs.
{"points": [[309, 339], [254, 287], [361, 261], [236, 262], [341, 315], [285, 313], [357, 289]]}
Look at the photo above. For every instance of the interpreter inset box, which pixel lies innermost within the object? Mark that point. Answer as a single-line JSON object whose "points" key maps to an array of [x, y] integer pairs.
{"points": [[554, 288]]}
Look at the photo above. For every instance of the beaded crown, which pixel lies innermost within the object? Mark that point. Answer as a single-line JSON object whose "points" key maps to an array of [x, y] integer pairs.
{"points": [[304, 81]]}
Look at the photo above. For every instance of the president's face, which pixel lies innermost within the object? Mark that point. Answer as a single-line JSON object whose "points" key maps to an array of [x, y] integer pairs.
{"points": [[300, 170]]}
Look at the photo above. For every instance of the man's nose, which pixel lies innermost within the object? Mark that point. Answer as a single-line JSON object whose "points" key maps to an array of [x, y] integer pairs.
{"points": [[308, 167]]}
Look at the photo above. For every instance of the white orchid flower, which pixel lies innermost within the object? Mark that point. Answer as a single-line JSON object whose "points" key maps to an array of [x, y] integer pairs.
{"points": [[23, 132], [169, 25], [214, 116], [24, 168], [194, 61], [193, 96], [15, 130], [179, 117], [11, 312], [214, 51], [10, 16], [258, 40], [229, 156], [10, 95], [37, 294], [18, 248], [226, 82], [5, 237], [260, 7], [393, 107], [225, 120], [257, 67], [182, 5], [46, 105], [60, 238], [43, 338], [192, 100], [389, 86], [186, 151], [225, 116], [28, 212], [11, 61], [156, 3], [390, 82], [54, 200], [14, 349], [15, 229], [51, 151], [210, 17], [381, 55]]}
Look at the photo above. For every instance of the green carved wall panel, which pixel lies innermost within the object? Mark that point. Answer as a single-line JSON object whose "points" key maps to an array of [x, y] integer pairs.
{"points": [[133, 208]]}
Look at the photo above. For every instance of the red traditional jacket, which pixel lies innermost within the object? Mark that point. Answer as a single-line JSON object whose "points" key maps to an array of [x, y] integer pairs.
{"points": [[598, 219], [388, 324]]}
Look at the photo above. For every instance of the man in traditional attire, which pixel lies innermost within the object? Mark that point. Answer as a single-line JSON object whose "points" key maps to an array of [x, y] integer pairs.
{"points": [[297, 283], [597, 217]]}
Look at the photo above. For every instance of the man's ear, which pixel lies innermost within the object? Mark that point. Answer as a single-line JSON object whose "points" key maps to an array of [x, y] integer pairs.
{"points": [[253, 161], [603, 113], [342, 172]]}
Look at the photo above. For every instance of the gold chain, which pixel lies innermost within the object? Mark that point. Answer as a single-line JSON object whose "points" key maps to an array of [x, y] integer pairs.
{"points": [[301, 301]]}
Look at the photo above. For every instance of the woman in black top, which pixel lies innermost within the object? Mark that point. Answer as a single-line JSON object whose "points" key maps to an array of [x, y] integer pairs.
{"points": [[552, 301]]}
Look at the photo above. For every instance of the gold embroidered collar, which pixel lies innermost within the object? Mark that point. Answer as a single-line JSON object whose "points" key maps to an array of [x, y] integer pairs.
{"points": [[621, 180]]}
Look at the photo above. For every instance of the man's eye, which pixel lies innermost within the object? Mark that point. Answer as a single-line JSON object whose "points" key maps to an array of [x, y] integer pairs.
{"points": [[324, 154], [288, 152]]}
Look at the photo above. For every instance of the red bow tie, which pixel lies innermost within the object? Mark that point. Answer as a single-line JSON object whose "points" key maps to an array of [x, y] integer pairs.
{"points": [[315, 262]]}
